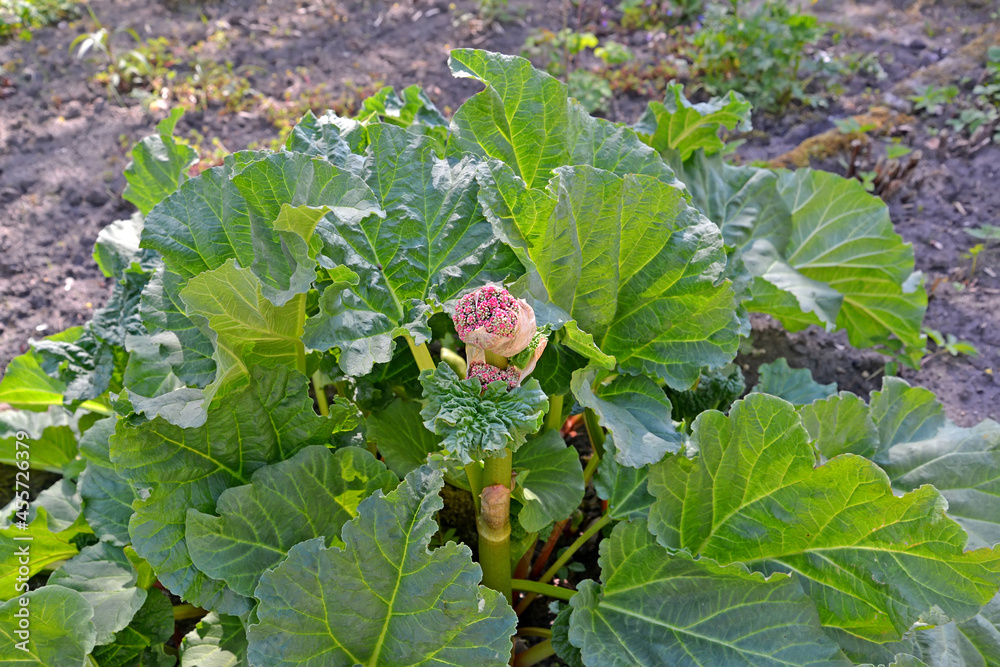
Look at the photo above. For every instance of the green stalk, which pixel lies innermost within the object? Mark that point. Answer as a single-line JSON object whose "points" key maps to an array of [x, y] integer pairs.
{"points": [[588, 472], [554, 419], [318, 387], [455, 360], [494, 524], [98, 407], [539, 588], [595, 431], [535, 654], [300, 347], [421, 354], [186, 611], [474, 472], [544, 633], [562, 560]]}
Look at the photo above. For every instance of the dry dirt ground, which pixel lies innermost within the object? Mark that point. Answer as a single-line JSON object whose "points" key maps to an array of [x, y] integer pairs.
{"points": [[64, 144]]}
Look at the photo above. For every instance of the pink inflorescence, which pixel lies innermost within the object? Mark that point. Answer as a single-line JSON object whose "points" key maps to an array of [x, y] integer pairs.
{"points": [[490, 308], [489, 373]]}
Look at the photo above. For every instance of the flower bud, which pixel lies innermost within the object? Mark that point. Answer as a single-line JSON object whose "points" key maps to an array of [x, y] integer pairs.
{"points": [[487, 373], [492, 319]]}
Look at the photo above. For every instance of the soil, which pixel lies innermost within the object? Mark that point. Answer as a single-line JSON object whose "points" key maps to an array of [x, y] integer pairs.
{"points": [[64, 144]]}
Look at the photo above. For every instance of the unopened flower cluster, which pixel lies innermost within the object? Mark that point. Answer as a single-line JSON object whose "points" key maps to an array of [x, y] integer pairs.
{"points": [[490, 319]]}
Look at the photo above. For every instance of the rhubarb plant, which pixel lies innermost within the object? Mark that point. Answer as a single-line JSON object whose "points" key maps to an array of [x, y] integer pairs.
{"points": [[368, 399]]}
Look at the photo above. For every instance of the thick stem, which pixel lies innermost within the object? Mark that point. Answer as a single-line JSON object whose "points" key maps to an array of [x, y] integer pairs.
{"points": [[421, 354], [494, 524], [529, 631], [535, 654], [595, 431], [496, 360], [539, 588], [318, 387], [562, 560], [186, 611], [456, 361], [554, 419]]}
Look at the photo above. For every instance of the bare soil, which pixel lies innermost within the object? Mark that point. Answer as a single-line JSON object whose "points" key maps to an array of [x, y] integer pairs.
{"points": [[64, 144]]}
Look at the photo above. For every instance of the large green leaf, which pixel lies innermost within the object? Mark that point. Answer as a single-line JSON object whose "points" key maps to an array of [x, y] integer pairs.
{"points": [[27, 386], [873, 562], [549, 480], [107, 580], [637, 270], [822, 250], [477, 422], [840, 424], [385, 599], [656, 608], [433, 244], [268, 421], [159, 165], [312, 494], [107, 497], [60, 633], [681, 127], [636, 412], [526, 119], [402, 439], [50, 443], [972, 643], [217, 641]]}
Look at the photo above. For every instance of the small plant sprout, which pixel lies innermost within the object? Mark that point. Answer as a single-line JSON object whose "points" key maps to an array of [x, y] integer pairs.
{"points": [[973, 254], [950, 344]]}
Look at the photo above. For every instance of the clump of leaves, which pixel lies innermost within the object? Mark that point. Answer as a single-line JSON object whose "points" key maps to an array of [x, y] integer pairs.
{"points": [[263, 417], [19, 17], [761, 52]]}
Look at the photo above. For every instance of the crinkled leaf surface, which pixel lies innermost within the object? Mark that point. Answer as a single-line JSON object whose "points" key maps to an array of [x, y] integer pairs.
{"points": [[61, 632], [822, 249], [904, 414], [716, 390], [795, 385], [560, 639], [655, 608], [874, 563], [159, 165], [246, 329], [335, 139], [107, 580], [107, 497], [475, 422], [312, 494], [51, 442], [217, 641], [624, 488], [433, 244], [972, 643], [268, 421], [549, 480], [636, 412], [526, 119], [403, 440], [637, 270], [384, 599], [679, 126]]}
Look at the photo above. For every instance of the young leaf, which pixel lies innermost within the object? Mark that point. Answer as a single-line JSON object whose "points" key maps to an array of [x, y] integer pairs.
{"points": [[25, 385], [384, 599], [107, 580], [636, 412], [657, 608], [402, 439], [159, 165], [217, 641], [627, 260], [549, 480], [312, 494], [478, 422], [795, 385], [677, 125], [60, 631], [526, 119], [431, 210], [840, 424], [873, 562], [268, 421]]}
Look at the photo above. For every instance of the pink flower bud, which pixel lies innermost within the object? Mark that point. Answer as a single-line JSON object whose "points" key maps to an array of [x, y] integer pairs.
{"points": [[492, 319]]}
